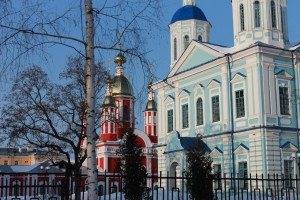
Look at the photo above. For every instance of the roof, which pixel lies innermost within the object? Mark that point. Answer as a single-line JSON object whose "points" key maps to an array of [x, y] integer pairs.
{"points": [[37, 168], [188, 142], [121, 85], [151, 106], [188, 12]]}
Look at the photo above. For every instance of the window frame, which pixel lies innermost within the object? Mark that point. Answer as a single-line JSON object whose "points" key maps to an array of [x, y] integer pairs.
{"points": [[186, 41], [169, 131], [286, 79], [242, 17], [285, 100], [196, 106], [257, 14], [200, 38], [175, 49], [185, 116], [213, 109], [237, 116], [273, 15]]}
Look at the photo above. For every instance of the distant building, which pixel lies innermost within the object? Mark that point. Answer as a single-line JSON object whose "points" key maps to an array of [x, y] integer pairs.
{"points": [[26, 156]]}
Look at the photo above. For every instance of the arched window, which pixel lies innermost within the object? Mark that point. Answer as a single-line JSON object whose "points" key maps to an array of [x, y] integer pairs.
{"points": [[199, 109], [126, 113], [256, 14], [242, 17], [186, 41], [273, 14], [175, 48], [199, 38]]}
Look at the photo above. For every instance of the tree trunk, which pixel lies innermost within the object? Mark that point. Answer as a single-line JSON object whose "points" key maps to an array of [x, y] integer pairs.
{"points": [[90, 98], [77, 177]]}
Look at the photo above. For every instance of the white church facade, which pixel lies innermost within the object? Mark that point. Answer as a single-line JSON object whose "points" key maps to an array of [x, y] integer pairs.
{"points": [[242, 100]]}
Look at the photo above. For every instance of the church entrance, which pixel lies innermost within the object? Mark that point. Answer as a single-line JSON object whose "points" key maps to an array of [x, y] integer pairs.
{"points": [[174, 172]]}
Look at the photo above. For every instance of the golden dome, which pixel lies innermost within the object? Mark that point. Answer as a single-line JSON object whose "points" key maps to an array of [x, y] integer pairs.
{"points": [[109, 101], [121, 85], [151, 106], [120, 59]]}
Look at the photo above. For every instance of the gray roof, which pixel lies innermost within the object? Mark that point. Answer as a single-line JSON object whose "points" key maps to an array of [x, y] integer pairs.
{"points": [[43, 167]]}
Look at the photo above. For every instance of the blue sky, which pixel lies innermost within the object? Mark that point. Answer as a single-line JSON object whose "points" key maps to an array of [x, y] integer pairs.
{"points": [[219, 14]]}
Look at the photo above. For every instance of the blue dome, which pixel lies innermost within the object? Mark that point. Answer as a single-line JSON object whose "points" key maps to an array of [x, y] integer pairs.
{"points": [[188, 12]]}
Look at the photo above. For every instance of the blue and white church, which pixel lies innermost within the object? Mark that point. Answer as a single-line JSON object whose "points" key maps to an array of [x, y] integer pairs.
{"points": [[242, 100]]}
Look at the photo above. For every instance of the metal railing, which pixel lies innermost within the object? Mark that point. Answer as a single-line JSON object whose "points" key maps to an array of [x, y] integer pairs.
{"points": [[226, 187]]}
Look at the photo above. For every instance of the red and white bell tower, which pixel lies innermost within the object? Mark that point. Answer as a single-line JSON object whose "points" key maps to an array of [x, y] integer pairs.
{"points": [[150, 118], [123, 94], [108, 115]]}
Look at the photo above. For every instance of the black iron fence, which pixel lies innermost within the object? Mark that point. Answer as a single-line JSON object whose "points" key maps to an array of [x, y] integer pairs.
{"points": [[159, 187]]}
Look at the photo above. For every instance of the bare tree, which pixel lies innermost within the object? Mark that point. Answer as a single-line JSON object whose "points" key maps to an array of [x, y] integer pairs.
{"points": [[31, 27], [52, 116]]}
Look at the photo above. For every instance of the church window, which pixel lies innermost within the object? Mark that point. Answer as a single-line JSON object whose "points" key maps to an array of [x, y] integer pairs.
{"points": [[215, 108], [186, 41], [217, 173], [243, 175], [175, 48], [239, 103], [257, 14], [199, 109], [273, 14], [242, 16], [185, 116], [284, 100], [170, 120], [288, 171], [126, 113], [200, 38]]}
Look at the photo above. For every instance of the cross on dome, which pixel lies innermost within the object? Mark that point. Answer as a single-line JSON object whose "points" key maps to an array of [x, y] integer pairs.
{"points": [[189, 2]]}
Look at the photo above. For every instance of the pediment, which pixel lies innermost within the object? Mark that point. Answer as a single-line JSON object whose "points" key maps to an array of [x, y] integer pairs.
{"points": [[241, 149], [284, 75], [289, 147], [184, 93], [213, 84], [198, 86], [238, 77], [216, 153], [195, 55], [169, 99]]}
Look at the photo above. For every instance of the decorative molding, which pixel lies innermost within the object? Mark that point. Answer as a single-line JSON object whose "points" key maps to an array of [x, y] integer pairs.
{"points": [[289, 147], [184, 93], [198, 86], [169, 99], [282, 74], [214, 84], [238, 77], [216, 153], [241, 149]]}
